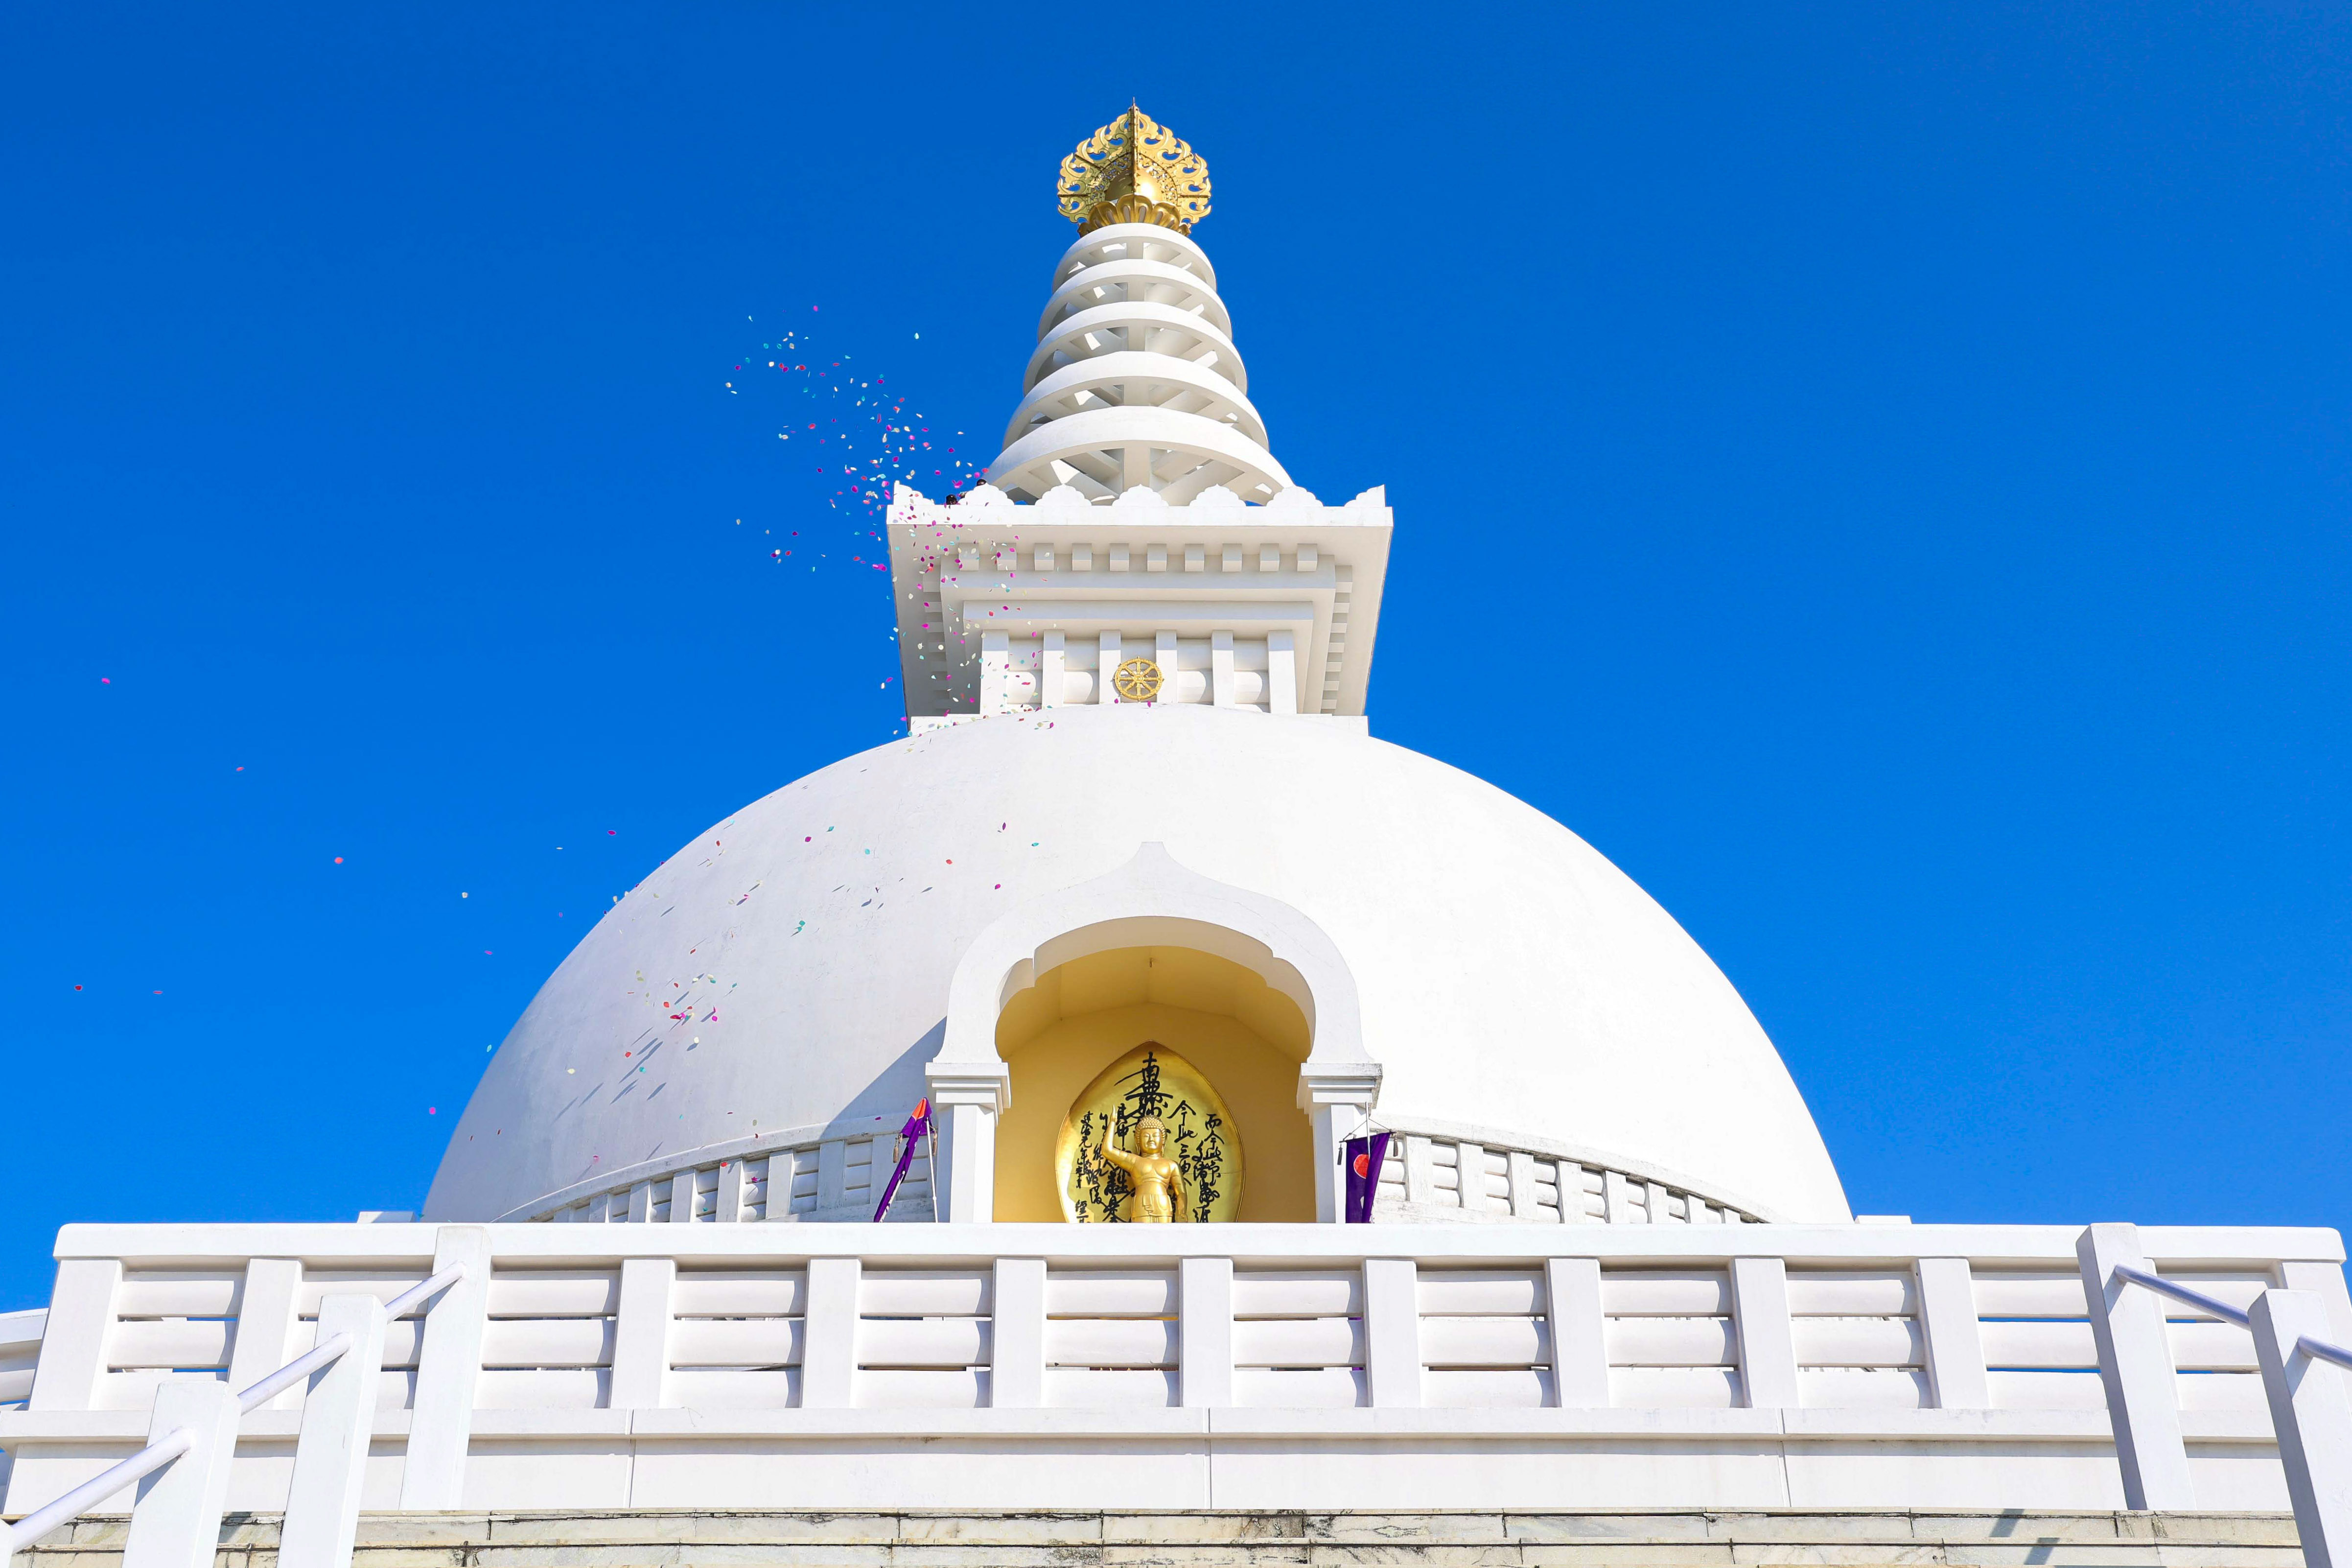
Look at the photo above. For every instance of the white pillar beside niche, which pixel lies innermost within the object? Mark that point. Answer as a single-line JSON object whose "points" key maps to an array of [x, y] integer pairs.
{"points": [[1337, 1099], [966, 1099]]}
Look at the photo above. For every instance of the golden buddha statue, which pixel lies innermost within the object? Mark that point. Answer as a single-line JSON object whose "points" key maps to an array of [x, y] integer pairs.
{"points": [[1183, 1154], [1158, 1180]]}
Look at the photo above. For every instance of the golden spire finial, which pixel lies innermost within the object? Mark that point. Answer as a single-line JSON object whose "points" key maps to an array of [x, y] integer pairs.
{"points": [[1134, 171]]}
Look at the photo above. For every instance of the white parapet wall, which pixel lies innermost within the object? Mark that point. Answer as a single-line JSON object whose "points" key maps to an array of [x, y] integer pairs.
{"points": [[1391, 1366]]}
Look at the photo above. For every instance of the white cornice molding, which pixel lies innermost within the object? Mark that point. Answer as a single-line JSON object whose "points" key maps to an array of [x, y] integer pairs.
{"points": [[1249, 581]]}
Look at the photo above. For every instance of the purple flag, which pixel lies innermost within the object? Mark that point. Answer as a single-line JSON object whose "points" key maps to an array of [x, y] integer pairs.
{"points": [[918, 1124], [1363, 1159]]}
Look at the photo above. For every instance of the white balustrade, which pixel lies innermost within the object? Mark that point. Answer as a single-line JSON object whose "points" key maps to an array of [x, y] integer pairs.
{"points": [[1433, 1175], [185, 1471], [833, 1173], [1307, 1365], [2302, 1373]]}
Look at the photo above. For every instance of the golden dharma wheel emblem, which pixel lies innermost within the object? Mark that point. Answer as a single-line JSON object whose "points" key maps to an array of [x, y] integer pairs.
{"points": [[1137, 681]]}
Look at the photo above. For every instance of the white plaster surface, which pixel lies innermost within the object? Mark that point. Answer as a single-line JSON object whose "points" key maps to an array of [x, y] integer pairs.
{"points": [[1508, 975]]}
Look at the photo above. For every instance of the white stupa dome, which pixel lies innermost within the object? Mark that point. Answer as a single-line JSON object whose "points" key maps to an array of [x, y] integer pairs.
{"points": [[790, 968]]}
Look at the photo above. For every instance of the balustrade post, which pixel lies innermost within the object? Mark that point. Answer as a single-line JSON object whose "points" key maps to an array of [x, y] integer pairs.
{"points": [[176, 1522], [1579, 1352], [1567, 1181], [1616, 1198], [734, 1190], [330, 1456], [1392, 1332], [1955, 1341], [1768, 1346], [1016, 1373], [2136, 1367], [1522, 1179], [1204, 1332], [2313, 1417], [269, 1310], [832, 1175], [641, 1332], [74, 1336], [1470, 1177], [448, 1366], [776, 1187], [829, 1337]]}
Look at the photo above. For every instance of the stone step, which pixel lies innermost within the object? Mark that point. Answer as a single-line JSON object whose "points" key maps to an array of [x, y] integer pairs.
{"points": [[955, 1539]]}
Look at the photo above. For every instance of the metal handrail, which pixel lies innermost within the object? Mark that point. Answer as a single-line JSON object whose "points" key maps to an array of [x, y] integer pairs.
{"points": [[2197, 1298], [2318, 1350], [172, 1445]]}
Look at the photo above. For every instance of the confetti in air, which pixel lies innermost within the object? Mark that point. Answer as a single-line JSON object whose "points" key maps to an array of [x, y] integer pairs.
{"points": [[859, 435]]}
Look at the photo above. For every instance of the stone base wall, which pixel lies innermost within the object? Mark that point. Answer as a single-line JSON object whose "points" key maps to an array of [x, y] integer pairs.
{"points": [[632, 1539]]}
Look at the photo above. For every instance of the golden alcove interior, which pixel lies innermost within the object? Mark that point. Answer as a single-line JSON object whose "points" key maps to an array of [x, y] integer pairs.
{"points": [[1246, 1038]]}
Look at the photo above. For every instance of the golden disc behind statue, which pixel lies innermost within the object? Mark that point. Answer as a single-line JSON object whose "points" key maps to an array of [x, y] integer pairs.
{"points": [[1195, 1173]]}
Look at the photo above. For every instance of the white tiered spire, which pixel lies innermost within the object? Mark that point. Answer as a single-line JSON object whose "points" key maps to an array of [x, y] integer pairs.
{"points": [[1112, 558], [1136, 383]]}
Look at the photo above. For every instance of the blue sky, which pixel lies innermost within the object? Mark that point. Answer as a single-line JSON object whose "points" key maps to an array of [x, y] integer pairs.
{"points": [[1879, 473]]}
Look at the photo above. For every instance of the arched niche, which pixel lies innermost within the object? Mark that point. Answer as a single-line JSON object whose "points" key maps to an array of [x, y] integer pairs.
{"points": [[1149, 904], [1245, 1037]]}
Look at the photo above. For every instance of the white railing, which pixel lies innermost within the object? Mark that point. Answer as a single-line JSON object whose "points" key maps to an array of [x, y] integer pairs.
{"points": [[1400, 1366], [179, 1519], [799, 1176], [2309, 1408], [1434, 1174]]}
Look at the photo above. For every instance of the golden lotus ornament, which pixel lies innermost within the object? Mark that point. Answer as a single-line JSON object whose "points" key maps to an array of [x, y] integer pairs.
{"points": [[1134, 171], [1148, 1141]]}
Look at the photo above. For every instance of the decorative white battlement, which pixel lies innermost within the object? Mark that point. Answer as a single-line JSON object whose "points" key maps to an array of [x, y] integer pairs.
{"points": [[1005, 608]]}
